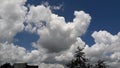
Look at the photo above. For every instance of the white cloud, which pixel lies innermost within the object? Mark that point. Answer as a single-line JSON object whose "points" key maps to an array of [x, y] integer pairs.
{"points": [[104, 37], [106, 47], [42, 65], [56, 7], [58, 37], [56, 32], [53, 7], [12, 14], [67, 55], [13, 53], [39, 13]]}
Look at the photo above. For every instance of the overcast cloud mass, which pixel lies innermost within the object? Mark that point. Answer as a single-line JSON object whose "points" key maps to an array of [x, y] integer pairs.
{"points": [[58, 38]]}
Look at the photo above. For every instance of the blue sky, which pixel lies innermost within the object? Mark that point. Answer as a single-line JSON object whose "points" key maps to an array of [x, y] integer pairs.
{"points": [[105, 16]]}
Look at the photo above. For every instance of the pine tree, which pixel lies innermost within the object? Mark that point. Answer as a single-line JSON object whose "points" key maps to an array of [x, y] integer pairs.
{"points": [[6, 65], [100, 64], [79, 61]]}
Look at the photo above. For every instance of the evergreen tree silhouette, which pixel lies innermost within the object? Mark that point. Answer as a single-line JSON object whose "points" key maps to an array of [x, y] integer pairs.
{"points": [[100, 64], [79, 61], [6, 65]]}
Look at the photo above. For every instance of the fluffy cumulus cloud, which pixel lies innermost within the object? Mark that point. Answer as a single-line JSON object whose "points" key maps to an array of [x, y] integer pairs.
{"points": [[61, 35], [14, 53], [69, 53], [12, 14], [53, 30], [106, 47], [42, 65], [10, 53], [58, 39]]}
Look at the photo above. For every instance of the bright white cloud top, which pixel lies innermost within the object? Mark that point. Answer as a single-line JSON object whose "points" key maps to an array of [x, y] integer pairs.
{"points": [[58, 38], [12, 15], [56, 32]]}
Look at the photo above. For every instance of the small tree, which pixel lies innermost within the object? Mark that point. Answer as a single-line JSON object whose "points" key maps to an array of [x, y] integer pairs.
{"points": [[79, 61], [100, 64], [6, 65]]}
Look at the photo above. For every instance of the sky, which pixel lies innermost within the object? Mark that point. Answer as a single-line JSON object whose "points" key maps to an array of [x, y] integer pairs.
{"points": [[47, 32]]}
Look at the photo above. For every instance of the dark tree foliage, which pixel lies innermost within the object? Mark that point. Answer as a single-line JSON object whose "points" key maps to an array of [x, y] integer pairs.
{"points": [[6, 65], [81, 62], [100, 64]]}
